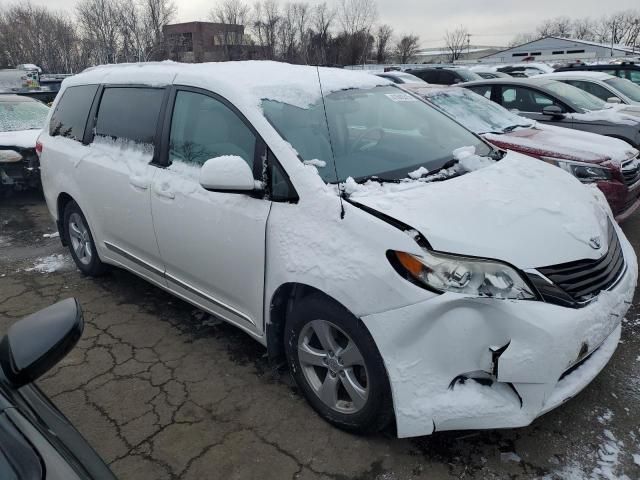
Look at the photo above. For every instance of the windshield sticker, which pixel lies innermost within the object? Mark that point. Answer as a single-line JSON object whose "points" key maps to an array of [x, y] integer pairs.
{"points": [[400, 97]]}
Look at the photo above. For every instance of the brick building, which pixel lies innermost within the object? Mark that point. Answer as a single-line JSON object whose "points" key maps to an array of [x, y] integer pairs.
{"points": [[196, 42]]}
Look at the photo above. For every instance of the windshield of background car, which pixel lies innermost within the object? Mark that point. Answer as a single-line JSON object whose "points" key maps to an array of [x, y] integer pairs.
{"points": [[15, 116], [474, 111], [627, 87], [408, 78], [575, 96], [378, 132]]}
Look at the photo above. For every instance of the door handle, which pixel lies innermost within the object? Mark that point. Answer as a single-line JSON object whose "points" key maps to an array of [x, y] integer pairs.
{"points": [[164, 193], [139, 182]]}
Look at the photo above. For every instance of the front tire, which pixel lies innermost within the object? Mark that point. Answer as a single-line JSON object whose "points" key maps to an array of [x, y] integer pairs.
{"points": [[335, 362], [80, 240]]}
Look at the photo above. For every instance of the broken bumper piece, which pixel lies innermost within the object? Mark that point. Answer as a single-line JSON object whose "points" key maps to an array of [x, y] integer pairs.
{"points": [[470, 363]]}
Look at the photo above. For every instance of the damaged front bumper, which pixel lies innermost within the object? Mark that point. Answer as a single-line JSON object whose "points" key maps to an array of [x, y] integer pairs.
{"points": [[473, 363], [23, 173]]}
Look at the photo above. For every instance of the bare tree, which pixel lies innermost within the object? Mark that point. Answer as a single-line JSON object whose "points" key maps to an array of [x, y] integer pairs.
{"points": [[383, 37], [99, 22], [266, 18], [583, 29], [357, 15], [455, 42], [34, 34], [287, 34], [556, 27], [301, 21], [232, 14], [156, 14], [522, 38], [321, 23], [407, 47], [356, 18]]}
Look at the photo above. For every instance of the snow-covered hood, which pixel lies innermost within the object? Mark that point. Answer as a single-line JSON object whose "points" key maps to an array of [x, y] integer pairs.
{"points": [[20, 139], [558, 142], [519, 210], [616, 114]]}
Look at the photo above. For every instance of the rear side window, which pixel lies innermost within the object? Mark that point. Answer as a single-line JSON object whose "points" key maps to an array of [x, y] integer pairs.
{"points": [[70, 117], [129, 113]]}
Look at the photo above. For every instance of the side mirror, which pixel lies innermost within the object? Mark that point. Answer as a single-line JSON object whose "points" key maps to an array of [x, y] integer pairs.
{"points": [[553, 111], [228, 173], [614, 100], [33, 345]]}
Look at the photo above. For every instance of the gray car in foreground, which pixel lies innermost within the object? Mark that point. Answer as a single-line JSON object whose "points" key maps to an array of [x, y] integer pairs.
{"points": [[556, 103]]}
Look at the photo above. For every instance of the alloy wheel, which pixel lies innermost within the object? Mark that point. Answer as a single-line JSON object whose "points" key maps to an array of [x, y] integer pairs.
{"points": [[80, 239], [333, 366]]}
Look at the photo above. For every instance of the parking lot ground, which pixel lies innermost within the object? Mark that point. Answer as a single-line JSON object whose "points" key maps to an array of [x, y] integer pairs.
{"points": [[164, 391]]}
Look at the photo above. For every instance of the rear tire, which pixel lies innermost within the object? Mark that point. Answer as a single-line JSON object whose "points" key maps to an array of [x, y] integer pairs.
{"points": [[335, 362], [79, 238]]}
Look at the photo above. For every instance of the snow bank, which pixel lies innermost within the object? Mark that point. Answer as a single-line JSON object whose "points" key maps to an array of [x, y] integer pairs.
{"points": [[21, 138], [50, 264]]}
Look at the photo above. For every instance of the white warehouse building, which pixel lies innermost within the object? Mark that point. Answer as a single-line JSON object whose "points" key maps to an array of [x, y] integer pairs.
{"points": [[557, 48]]}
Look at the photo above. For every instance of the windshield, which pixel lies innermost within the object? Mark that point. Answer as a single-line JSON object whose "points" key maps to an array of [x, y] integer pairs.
{"points": [[627, 87], [379, 132], [475, 112], [575, 96], [18, 115]]}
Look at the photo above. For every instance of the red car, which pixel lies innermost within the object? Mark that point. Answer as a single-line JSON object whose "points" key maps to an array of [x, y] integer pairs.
{"points": [[612, 164]]}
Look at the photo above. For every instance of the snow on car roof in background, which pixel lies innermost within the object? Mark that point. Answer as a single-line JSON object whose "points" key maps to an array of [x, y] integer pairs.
{"points": [[578, 74], [247, 82]]}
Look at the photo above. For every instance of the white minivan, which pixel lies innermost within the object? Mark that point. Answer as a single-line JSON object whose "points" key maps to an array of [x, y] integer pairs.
{"points": [[406, 269]]}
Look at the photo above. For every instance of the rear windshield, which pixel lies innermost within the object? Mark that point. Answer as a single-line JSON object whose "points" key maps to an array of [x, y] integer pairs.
{"points": [[15, 116], [626, 87], [575, 96]]}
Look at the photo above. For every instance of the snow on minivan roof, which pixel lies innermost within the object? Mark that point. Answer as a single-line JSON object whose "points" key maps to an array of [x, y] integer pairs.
{"points": [[244, 83]]}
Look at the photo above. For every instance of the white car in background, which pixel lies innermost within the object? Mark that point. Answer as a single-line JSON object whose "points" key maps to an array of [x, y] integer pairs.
{"points": [[404, 267], [608, 88]]}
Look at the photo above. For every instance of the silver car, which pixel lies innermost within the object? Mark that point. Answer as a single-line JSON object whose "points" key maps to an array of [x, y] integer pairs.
{"points": [[556, 103], [606, 87]]}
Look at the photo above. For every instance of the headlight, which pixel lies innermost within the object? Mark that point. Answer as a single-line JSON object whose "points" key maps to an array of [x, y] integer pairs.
{"points": [[585, 172], [450, 273], [9, 156]]}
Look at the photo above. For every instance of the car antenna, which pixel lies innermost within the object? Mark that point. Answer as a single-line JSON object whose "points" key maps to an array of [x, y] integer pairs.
{"points": [[335, 166]]}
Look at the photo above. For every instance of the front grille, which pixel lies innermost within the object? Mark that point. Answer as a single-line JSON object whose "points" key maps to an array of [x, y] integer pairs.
{"points": [[583, 279], [631, 171]]}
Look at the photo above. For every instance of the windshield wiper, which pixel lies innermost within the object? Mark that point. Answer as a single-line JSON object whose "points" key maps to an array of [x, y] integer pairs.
{"points": [[375, 178], [511, 128]]}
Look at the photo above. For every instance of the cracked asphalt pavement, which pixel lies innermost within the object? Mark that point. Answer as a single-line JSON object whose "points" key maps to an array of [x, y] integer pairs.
{"points": [[164, 391]]}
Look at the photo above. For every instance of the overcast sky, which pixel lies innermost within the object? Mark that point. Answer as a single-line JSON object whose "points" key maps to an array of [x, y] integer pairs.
{"points": [[492, 22]]}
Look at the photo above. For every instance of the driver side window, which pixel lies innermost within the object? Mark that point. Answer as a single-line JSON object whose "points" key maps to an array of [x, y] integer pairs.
{"points": [[525, 99], [203, 128]]}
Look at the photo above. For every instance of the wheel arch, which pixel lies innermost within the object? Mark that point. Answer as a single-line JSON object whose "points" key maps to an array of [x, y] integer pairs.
{"points": [[282, 301], [61, 203]]}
